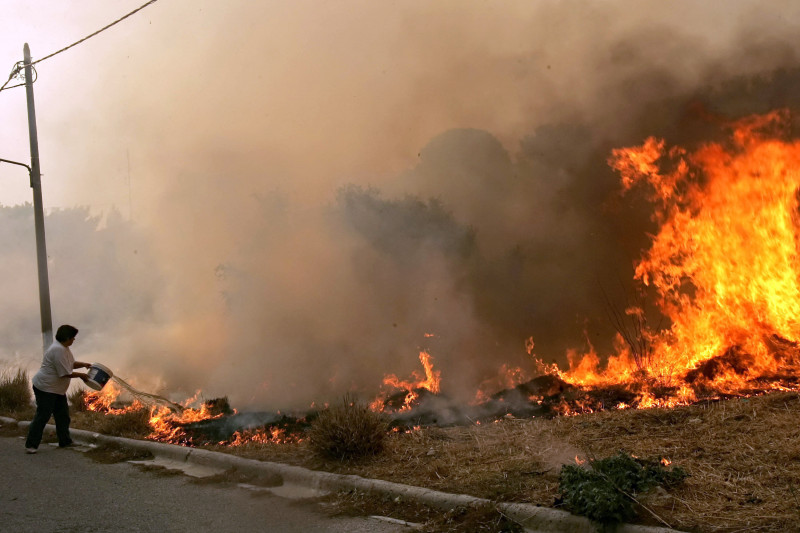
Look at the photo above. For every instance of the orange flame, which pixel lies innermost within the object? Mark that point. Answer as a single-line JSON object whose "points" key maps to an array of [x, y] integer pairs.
{"points": [[430, 382], [725, 263], [167, 424], [272, 435], [102, 400]]}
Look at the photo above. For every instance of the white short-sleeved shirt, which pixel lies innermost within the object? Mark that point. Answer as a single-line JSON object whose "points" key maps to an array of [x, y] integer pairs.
{"points": [[57, 364]]}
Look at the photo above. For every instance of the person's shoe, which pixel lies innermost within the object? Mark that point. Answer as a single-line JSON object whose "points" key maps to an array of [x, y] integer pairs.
{"points": [[70, 444], [30, 450]]}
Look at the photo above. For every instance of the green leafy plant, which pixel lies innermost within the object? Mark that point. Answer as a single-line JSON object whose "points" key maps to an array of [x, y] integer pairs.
{"points": [[607, 491], [350, 430]]}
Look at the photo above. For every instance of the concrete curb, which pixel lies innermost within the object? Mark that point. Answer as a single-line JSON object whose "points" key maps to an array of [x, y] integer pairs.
{"points": [[534, 518]]}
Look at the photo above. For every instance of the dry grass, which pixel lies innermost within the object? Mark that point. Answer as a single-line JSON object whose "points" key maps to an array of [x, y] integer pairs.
{"points": [[15, 392], [77, 399], [350, 430], [132, 424], [513, 460], [743, 457]]}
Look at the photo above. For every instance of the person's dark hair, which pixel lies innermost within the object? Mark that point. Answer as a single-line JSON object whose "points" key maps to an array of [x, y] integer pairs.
{"points": [[66, 332]]}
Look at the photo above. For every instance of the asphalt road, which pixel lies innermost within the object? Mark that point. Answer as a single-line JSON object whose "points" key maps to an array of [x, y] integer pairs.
{"points": [[63, 491]]}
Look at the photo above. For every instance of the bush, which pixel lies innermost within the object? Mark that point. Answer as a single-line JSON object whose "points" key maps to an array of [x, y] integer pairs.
{"points": [[15, 392], [348, 431], [605, 492]]}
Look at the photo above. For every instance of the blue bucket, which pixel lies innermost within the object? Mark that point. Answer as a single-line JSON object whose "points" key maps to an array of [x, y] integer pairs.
{"points": [[98, 376]]}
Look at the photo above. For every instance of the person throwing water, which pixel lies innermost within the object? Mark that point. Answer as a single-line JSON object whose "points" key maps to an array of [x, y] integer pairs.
{"points": [[50, 386]]}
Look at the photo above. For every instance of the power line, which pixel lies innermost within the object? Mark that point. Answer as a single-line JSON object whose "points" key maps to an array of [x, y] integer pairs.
{"points": [[18, 66], [95, 33], [14, 72]]}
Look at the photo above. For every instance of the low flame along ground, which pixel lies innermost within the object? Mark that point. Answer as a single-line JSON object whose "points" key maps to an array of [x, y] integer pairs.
{"points": [[723, 269]]}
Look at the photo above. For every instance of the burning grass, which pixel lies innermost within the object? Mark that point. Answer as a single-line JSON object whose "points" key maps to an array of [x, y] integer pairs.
{"points": [[741, 453], [742, 456]]}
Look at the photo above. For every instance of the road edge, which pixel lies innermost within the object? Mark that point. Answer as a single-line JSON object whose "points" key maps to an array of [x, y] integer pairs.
{"points": [[534, 518]]}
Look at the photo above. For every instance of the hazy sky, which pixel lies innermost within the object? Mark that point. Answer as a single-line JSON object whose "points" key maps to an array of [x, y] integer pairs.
{"points": [[223, 130], [320, 92]]}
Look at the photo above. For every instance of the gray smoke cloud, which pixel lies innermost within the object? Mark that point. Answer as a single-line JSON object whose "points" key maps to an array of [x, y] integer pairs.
{"points": [[318, 188]]}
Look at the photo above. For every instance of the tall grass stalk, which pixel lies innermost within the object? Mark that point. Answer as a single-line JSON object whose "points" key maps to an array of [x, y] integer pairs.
{"points": [[15, 391]]}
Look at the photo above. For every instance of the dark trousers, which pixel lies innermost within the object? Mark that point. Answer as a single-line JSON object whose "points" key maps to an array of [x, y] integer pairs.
{"points": [[47, 405]]}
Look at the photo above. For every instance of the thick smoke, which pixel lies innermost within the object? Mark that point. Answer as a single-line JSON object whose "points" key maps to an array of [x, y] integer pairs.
{"points": [[317, 189]]}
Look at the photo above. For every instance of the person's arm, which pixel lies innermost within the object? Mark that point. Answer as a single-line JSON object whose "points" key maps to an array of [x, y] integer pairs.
{"points": [[81, 375]]}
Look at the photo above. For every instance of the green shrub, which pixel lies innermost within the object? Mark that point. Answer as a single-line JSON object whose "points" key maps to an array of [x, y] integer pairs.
{"points": [[15, 391], [348, 431], [605, 492]]}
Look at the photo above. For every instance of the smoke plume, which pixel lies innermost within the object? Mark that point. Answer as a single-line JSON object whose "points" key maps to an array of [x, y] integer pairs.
{"points": [[318, 191]]}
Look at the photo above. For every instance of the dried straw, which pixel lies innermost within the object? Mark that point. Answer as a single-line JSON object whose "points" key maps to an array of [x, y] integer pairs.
{"points": [[743, 456]]}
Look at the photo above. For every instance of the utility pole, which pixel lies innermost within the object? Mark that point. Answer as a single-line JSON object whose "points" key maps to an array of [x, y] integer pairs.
{"points": [[38, 210]]}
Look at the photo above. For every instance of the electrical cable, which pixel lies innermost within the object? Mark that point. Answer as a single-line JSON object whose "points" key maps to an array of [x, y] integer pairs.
{"points": [[18, 66], [14, 72], [95, 33]]}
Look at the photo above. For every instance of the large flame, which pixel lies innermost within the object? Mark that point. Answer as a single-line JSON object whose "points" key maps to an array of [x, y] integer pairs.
{"points": [[724, 262]]}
